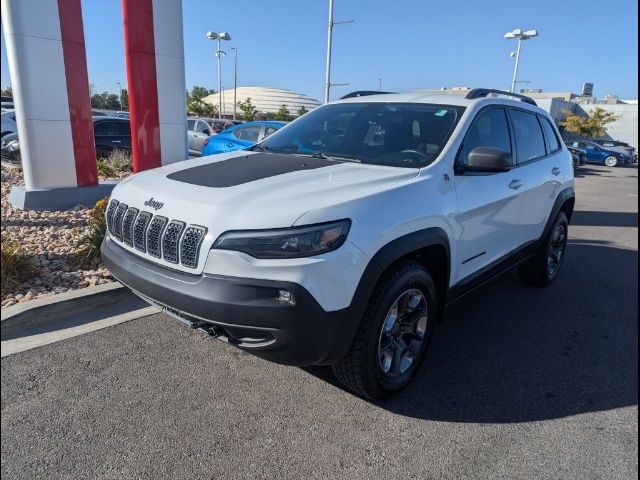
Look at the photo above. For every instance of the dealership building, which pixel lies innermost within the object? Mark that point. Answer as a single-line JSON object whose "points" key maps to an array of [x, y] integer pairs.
{"points": [[265, 99]]}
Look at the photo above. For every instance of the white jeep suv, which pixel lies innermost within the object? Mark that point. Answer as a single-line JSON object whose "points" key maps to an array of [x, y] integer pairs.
{"points": [[341, 238]]}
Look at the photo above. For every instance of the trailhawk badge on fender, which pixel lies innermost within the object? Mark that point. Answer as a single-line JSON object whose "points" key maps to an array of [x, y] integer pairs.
{"points": [[154, 204]]}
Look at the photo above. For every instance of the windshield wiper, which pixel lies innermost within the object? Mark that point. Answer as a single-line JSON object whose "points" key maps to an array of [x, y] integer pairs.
{"points": [[334, 158]]}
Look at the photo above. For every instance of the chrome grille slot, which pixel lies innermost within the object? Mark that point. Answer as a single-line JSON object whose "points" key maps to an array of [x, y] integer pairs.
{"points": [[127, 225], [154, 236], [111, 211], [117, 220], [170, 241], [190, 245], [140, 231]]}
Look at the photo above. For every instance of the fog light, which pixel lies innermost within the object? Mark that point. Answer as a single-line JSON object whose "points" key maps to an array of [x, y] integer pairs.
{"points": [[284, 296]]}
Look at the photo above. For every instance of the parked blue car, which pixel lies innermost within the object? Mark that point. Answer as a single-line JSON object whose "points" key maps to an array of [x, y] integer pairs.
{"points": [[601, 155], [240, 136]]}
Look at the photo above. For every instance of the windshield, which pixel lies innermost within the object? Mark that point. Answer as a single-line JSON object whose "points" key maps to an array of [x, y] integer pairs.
{"points": [[395, 134]]}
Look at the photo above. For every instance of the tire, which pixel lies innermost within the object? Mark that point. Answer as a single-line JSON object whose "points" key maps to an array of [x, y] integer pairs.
{"points": [[611, 161], [543, 269], [371, 368]]}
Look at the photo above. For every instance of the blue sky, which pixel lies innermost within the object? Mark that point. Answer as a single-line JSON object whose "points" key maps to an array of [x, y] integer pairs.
{"points": [[410, 44]]}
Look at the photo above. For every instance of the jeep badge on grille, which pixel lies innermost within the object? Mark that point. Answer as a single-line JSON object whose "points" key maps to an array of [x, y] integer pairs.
{"points": [[154, 204]]}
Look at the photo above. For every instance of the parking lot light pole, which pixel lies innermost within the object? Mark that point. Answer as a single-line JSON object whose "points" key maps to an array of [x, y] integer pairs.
{"points": [[120, 94], [327, 82], [520, 35], [235, 80], [218, 37]]}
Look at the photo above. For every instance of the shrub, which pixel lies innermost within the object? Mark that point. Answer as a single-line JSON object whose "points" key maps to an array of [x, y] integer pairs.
{"points": [[105, 169], [118, 161], [89, 244], [16, 265]]}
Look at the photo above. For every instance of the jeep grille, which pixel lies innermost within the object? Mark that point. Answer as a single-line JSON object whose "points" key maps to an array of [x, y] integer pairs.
{"points": [[174, 241]]}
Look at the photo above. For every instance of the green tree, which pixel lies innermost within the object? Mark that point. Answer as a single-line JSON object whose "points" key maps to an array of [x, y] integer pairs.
{"points": [[7, 92], [248, 110], [200, 108], [198, 93], [592, 126], [282, 114], [302, 110], [105, 101]]}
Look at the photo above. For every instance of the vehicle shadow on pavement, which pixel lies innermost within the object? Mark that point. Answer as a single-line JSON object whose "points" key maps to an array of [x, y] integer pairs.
{"points": [[510, 353], [605, 219]]}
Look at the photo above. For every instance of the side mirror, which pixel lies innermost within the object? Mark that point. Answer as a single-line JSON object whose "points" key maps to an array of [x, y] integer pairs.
{"points": [[486, 159]]}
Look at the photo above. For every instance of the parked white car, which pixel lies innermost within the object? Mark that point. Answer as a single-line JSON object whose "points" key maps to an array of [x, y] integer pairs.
{"points": [[341, 238], [8, 123]]}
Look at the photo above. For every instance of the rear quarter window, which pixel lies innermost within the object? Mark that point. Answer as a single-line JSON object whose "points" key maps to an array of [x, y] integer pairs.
{"points": [[550, 133], [528, 135]]}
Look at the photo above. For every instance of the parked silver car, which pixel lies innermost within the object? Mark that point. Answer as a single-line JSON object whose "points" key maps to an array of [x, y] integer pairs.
{"points": [[199, 128]]}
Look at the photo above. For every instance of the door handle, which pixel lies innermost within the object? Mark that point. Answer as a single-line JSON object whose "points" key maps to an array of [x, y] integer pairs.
{"points": [[515, 184], [556, 171]]}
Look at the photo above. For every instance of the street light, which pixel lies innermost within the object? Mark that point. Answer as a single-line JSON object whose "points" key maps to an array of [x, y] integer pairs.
{"points": [[379, 84], [120, 94], [235, 79], [327, 83], [218, 37], [520, 35]]}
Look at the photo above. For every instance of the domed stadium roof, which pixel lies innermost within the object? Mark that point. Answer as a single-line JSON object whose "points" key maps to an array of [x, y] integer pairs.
{"points": [[266, 100]]}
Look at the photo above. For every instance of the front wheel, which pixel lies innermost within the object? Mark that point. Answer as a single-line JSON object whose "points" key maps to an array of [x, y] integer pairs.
{"points": [[394, 333], [611, 161], [544, 268]]}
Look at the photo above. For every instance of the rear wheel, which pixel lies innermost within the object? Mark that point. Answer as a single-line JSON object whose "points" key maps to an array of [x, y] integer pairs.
{"points": [[394, 333], [611, 161], [543, 269]]}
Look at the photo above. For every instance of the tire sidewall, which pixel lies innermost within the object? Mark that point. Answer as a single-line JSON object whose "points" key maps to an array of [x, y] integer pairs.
{"points": [[560, 220], [614, 163], [421, 280]]}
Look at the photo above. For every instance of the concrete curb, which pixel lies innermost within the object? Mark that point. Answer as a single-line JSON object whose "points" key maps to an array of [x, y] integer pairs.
{"points": [[59, 317]]}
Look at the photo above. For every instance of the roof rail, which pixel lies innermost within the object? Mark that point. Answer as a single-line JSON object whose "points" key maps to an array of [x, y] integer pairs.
{"points": [[485, 92], [363, 93]]}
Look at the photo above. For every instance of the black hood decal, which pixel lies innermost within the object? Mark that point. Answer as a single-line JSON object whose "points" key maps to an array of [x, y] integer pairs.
{"points": [[239, 170]]}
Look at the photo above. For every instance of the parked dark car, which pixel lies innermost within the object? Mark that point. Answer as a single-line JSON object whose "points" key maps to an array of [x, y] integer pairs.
{"points": [[109, 134], [600, 155], [579, 156], [10, 148]]}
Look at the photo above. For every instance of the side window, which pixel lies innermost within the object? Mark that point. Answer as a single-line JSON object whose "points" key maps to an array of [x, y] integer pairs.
{"points": [[203, 128], [528, 135], [270, 131], [191, 124], [489, 129], [550, 133], [249, 134]]}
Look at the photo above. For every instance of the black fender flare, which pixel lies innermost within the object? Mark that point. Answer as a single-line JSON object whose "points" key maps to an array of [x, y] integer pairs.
{"points": [[383, 259], [563, 197]]}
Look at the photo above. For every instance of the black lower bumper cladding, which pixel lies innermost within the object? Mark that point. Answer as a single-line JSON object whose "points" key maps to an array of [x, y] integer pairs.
{"points": [[244, 312]]}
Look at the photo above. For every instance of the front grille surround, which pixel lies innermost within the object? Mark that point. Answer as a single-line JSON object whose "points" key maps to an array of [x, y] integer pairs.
{"points": [[171, 240], [117, 220]]}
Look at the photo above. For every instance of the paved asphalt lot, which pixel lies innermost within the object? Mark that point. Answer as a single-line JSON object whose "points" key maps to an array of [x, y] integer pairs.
{"points": [[519, 383]]}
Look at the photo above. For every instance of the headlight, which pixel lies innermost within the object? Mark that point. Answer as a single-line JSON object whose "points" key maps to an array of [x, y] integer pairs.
{"points": [[14, 145], [287, 242]]}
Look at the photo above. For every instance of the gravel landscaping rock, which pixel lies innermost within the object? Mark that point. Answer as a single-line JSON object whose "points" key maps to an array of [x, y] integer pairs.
{"points": [[50, 239]]}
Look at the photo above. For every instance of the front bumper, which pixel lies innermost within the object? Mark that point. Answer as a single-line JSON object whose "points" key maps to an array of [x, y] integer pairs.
{"points": [[244, 312]]}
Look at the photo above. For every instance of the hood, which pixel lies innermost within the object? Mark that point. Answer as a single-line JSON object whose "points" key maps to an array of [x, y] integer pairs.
{"points": [[252, 190]]}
